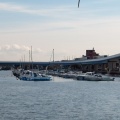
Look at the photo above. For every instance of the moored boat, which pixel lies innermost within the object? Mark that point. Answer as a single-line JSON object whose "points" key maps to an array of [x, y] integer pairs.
{"points": [[91, 76], [33, 76]]}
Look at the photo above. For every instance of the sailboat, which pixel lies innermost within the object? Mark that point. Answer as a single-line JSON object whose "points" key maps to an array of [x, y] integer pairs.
{"points": [[30, 75], [34, 76]]}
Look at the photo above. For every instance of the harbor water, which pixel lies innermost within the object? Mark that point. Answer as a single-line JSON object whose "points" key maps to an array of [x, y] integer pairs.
{"points": [[59, 99]]}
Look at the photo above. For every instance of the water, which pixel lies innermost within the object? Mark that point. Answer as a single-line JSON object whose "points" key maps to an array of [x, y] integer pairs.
{"points": [[60, 99]]}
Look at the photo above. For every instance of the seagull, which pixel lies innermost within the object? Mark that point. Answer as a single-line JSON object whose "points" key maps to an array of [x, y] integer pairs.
{"points": [[78, 3]]}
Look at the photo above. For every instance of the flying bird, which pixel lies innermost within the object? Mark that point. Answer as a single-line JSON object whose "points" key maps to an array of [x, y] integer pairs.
{"points": [[78, 3]]}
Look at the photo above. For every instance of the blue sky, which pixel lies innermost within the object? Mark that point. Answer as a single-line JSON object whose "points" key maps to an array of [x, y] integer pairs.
{"points": [[59, 25]]}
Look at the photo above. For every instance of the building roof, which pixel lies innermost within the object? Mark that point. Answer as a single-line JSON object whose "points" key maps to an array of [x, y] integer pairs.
{"points": [[95, 61]]}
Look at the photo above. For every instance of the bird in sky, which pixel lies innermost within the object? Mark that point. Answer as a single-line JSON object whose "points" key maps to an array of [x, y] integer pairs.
{"points": [[78, 3]]}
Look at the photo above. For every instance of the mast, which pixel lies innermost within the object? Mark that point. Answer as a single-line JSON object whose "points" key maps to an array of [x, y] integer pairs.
{"points": [[53, 62], [24, 61], [31, 58], [20, 64], [53, 55]]}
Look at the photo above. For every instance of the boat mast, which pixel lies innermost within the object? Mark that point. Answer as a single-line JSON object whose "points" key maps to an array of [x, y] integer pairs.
{"points": [[53, 62], [53, 55], [31, 58], [24, 62], [20, 64]]}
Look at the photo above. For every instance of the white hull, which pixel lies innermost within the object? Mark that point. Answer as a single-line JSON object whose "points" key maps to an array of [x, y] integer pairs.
{"points": [[32, 76], [94, 77]]}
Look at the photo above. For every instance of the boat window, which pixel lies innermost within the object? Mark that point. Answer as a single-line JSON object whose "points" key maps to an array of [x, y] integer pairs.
{"points": [[35, 75], [99, 76], [27, 73], [89, 73]]}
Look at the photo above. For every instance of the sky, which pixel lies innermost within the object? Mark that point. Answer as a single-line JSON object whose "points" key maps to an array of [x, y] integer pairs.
{"points": [[60, 25]]}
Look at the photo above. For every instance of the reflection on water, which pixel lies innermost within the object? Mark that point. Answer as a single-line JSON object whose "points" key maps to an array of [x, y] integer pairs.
{"points": [[59, 99], [59, 79]]}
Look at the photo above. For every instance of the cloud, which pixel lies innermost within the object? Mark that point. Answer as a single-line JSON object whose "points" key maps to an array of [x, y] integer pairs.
{"points": [[72, 31], [103, 1], [18, 48], [16, 52], [28, 10], [53, 11], [63, 13], [18, 8]]}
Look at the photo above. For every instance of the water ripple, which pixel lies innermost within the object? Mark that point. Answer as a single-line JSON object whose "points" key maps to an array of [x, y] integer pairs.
{"points": [[61, 99]]}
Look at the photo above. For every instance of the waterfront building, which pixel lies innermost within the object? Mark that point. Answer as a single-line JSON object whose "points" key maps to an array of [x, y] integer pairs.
{"points": [[93, 62], [90, 54]]}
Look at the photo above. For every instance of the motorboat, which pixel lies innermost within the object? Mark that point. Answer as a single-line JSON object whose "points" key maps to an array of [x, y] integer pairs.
{"points": [[91, 76], [34, 76]]}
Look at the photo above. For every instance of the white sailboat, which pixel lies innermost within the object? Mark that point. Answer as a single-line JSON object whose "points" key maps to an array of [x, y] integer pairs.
{"points": [[33, 76], [30, 75]]}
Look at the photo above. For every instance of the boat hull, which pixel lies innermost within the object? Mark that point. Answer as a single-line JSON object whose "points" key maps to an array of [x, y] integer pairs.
{"points": [[94, 78], [35, 79]]}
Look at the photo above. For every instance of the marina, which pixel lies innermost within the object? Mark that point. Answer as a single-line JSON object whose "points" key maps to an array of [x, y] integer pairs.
{"points": [[91, 62], [28, 75], [91, 67]]}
